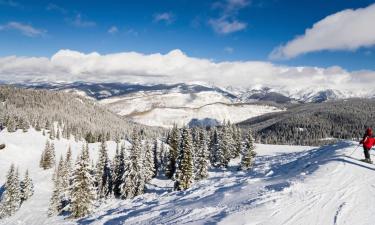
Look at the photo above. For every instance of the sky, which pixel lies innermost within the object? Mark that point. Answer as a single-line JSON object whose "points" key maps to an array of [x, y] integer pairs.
{"points": [[47, 38]]}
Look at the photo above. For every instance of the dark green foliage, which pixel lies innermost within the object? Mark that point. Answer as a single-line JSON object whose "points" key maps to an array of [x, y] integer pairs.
{"points": [[315, 124]]}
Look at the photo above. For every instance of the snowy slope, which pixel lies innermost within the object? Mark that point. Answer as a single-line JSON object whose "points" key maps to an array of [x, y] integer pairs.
{"points": [[165, 109], [24, 150], [288, 185]]}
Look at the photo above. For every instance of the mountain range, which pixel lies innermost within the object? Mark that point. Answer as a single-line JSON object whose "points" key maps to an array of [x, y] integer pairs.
{"points": [[194, 103]]}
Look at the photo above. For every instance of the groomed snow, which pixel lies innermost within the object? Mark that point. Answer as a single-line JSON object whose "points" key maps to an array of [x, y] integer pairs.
{"points": [[288, 185]]}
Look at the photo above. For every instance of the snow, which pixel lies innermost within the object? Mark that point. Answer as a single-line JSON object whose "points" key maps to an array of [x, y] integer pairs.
{"points": [[288, 185], [165, 109], [145, 101], [167, 117]]}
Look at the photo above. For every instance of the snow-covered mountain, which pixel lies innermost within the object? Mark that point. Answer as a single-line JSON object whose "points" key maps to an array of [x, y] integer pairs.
{"points": [[287, 185], [195, 103]]}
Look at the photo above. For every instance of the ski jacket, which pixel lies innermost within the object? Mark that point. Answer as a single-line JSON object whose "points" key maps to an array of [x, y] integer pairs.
{"points": [[368, 141]]}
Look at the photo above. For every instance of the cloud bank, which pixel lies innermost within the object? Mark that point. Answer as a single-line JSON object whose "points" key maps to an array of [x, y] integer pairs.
{"points": [[345, 30], [174, 67]]}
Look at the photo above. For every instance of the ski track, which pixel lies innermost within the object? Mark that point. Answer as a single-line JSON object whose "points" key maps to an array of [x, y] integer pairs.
{"points": [[289, 185]]}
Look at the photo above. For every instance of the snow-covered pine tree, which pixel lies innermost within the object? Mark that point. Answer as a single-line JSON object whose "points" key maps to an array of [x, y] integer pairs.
{"points": [[155, 150], [184, 176], [11, 199], [238, 142], [164, 157], [82, 191], [221, 145], [27, 187], [133, 179], [248, 152], [148, 162], [231, 144], [118, 171], [52, 132], [103, 173], [55, 203], [47, 159], [174, 142], [68, 162], [202, 161], [58, 134]]}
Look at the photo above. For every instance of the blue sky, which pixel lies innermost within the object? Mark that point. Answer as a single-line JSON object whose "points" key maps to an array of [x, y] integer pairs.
{"points": [[234, 30]]}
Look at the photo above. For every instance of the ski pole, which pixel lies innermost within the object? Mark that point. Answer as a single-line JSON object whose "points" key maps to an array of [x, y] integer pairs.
{"points": [[355, 150]]}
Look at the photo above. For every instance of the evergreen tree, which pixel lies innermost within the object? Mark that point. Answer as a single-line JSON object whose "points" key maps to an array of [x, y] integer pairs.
{"points": [[27, 187], [148, 162], [47, 159], [11, 199], [202, 162], [118, 171], [174, 142], [56, 204], [103, 173], [156, 158], [133, 179], [238, 142], [82, 191], [248, 153], [185, 170]]}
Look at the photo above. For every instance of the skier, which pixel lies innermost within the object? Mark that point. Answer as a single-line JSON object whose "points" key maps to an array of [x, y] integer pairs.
{"points": [[368, 141]]}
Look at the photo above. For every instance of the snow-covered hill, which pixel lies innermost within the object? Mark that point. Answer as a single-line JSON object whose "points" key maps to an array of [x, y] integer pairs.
{"points": [[288, 185], [174, 107]]}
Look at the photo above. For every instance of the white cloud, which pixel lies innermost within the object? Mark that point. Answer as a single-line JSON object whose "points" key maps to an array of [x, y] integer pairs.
{"points": [[175, 66], [113, 30], [229, 50], [166, 17], [223, 26], [227, 21], [24, 29], [78, 21], [345, 30]]}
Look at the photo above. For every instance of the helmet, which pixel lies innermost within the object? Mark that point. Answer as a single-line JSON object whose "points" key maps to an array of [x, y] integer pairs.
{"points": [[369, 131]]}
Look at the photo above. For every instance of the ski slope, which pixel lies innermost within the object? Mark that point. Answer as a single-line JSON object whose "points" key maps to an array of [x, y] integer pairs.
{"points": [[288, 185]]}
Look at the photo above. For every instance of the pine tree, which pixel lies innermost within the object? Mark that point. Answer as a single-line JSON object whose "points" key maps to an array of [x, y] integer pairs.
{"points": [[11, 199], [174, 142], [133, 179], [219, 149], [185, 170], [103, 173], [52, 132], [82, 191], [238, 142], [47, 159], [148, 162], [248, 153], [27, 187], [202, 162], [55, 204], [118, 171], [156, 158]]}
